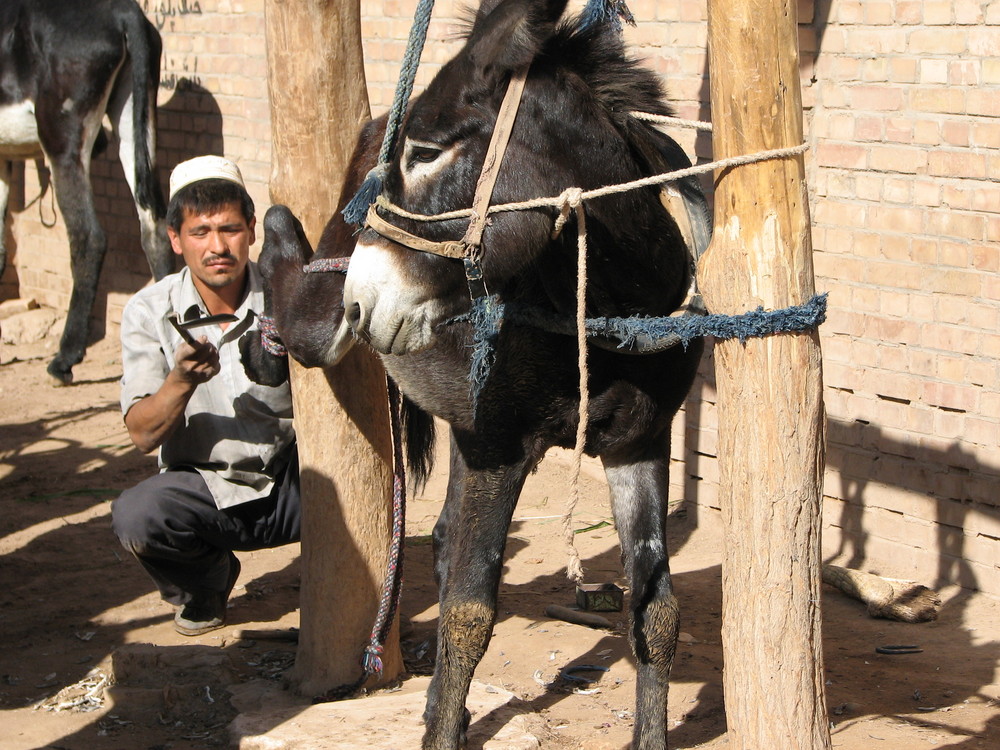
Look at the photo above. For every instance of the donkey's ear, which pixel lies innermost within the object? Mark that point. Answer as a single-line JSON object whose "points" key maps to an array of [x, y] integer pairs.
{"points": [[508, 34]]}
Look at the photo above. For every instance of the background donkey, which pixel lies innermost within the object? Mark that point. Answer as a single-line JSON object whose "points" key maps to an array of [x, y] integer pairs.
{"points": [[64, 64], [573, 129]]}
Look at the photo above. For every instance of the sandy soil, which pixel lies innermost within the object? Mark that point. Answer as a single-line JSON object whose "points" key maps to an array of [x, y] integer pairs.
{"points": [[74, 611]]}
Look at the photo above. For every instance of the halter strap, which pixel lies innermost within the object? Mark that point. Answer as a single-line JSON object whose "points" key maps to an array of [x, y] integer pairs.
{"points": [[469, 247]]}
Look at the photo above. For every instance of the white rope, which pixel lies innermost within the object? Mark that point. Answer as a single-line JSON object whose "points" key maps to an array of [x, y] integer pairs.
{"points": [[574, 568], [675, 121], [656, 179]]}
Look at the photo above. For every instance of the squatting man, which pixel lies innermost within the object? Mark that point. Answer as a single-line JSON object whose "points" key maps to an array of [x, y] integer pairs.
{"points": [[229, 477]]}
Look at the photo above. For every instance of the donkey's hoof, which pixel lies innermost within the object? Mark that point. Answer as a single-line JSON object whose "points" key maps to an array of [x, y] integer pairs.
{"points": [[59, 376]]}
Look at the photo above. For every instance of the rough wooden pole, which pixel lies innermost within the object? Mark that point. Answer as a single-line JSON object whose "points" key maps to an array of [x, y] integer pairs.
{"points": [[771, 421], [319, 99]]}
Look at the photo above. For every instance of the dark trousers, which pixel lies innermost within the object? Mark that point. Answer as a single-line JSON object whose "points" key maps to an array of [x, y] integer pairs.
{"points": [[172, 526]]}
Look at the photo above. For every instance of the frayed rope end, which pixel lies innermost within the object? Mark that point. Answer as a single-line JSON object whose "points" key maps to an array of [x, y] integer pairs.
{"points": [[486, 317], [357, 208]]}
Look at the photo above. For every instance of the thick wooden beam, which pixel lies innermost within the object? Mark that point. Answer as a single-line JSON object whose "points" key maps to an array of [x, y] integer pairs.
{"points": [[771, 420], [319, 100]]}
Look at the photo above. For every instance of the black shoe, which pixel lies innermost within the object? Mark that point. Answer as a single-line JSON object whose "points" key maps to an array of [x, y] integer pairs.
{"points": [[207, 612]]}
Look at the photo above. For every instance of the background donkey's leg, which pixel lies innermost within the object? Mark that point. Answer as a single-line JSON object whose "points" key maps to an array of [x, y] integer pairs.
{"points": [[638, 483], [477, 534], [87, 247]]}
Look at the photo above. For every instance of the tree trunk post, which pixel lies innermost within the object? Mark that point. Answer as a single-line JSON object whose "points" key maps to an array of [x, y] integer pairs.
{"points": [[771, 420], [319, 100]]}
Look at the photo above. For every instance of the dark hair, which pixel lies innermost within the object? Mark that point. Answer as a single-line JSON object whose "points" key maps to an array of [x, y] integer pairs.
{"points": [[207, 195]]}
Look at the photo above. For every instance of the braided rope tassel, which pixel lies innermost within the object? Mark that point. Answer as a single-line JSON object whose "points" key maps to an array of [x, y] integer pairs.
{"points": [[371, 660]]}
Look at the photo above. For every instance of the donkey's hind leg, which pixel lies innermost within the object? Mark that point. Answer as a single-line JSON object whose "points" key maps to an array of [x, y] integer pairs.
{"points": [[638, 483]]}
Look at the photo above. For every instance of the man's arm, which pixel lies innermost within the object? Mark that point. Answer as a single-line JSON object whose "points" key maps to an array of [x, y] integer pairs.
{"points": [[152, 419]]}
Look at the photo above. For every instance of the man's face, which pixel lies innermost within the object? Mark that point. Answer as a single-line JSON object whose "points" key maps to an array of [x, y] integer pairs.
{"points": [[215, 245]]}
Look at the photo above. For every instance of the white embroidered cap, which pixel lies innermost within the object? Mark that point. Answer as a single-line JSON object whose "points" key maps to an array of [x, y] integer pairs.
{"points": [[204, 168]]}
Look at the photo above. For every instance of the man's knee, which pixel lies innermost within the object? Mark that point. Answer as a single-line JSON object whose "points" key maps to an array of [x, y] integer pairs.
{"points": [[130, 520]]}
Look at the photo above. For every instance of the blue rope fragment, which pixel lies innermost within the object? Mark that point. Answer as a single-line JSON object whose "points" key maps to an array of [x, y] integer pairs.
{"points": [[486, 317], [612, 12], [357, 208], [757, 323], [488, 313]]}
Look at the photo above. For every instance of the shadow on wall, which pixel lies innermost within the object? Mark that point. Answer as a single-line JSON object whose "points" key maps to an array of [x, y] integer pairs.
{"points": [[940, 498], [931, 502], [189, 124]]}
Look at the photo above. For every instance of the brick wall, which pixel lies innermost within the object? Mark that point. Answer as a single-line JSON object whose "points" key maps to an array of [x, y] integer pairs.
{"points": [[902, 113]]}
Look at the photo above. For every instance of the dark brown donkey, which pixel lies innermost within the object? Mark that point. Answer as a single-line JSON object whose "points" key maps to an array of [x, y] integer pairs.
{"points": [[573, 129]]}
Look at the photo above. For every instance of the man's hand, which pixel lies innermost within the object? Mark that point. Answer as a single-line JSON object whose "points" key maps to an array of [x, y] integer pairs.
{"points": [[196, 364], [151, 420]]}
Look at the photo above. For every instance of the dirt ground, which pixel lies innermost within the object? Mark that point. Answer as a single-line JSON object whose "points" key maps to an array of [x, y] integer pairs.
{"points": [[75, 611]]}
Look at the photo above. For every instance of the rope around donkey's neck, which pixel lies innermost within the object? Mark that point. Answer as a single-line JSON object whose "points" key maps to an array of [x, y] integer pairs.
{"points": [[585, 195]]}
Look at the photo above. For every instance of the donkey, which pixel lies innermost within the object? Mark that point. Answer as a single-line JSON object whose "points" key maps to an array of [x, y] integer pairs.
{"points": [[64, 64], [573, 129]]}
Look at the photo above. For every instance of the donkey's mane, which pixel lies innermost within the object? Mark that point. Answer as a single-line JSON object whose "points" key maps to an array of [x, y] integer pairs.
{"points": [[597, 55]]}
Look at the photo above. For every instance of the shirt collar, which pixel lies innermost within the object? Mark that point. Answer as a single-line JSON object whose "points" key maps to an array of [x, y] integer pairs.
{"points": [[189, 303]]}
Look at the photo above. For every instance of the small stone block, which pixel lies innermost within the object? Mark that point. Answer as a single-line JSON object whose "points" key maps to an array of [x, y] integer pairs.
{"points": [[600, 597]]}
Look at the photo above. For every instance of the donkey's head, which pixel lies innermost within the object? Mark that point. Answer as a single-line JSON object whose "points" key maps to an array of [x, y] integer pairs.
{"points": [[573, 129]]}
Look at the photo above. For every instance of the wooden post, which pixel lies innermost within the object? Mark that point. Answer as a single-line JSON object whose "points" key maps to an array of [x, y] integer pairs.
{"points": [[771, 443], [319, 100]]}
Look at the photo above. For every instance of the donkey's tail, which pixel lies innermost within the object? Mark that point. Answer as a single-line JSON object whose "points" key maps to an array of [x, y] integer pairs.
{"points": [[143, 45]]}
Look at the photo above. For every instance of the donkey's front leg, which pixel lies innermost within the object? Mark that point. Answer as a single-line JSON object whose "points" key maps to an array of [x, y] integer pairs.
{"points": [[638, 484], [477, 534]]}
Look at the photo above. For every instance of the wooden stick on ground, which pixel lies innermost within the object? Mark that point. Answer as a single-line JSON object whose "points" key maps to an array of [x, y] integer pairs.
{"points": [[889, 598]]}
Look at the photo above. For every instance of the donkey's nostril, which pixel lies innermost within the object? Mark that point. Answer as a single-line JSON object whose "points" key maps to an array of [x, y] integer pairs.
{"points": [[355, 316]]}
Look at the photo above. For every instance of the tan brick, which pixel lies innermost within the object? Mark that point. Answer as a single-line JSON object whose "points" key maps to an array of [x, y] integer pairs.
{"points": [[965, 164], [940, 100], [934, 71], [876, 98], [956, 132], [903, 70], [984, 41], [909, 12], [850, 12], [938, 13], [927, 194], [956, 224], [939, 41], [983, 102], [896, 219]]}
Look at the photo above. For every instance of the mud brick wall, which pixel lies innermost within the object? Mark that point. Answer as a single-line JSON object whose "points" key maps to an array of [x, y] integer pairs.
{"points": [[902, 114]]}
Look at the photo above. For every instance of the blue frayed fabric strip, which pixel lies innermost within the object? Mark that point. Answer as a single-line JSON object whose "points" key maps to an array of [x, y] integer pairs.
{"points": [[759, 322], [656, 334], [486, 317]]}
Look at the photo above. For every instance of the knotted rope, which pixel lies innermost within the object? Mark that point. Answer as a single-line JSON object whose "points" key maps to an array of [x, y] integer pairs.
{"points": [[269, 337]]}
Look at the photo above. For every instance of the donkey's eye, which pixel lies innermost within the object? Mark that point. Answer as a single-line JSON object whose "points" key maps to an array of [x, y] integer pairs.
{"points": [[424, 154]]}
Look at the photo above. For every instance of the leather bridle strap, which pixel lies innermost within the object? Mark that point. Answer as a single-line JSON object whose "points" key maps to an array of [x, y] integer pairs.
{"points": [[494, 157], [451, 249], [469, 248]]}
